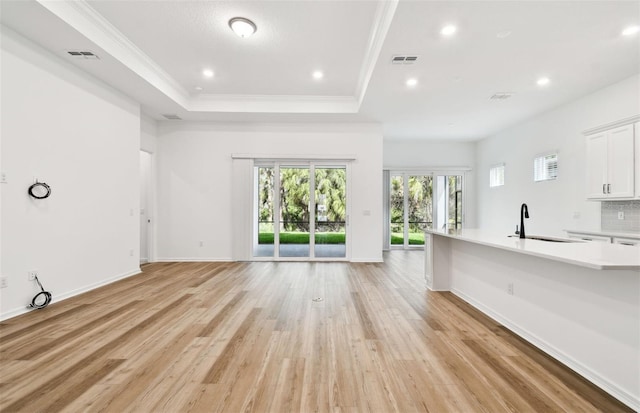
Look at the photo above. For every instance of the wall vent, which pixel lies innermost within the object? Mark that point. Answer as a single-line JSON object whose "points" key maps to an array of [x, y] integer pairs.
{"points": [[171, 116], [82, 54], [501, 96], [403, 59]]}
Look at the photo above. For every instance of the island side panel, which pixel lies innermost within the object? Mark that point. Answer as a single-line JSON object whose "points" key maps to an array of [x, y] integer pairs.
{"points": [[437, 262], [588, 319]]}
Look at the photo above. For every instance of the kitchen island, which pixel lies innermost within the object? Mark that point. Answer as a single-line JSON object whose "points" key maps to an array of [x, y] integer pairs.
{"points": [[577, 301]]}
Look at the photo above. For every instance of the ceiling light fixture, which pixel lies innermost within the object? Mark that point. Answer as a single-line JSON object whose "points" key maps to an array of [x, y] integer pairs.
{"points": [[318, 75], [543, 81], [448, 30], [631, 30], [412, 82], [242, 27], [207, 73]]}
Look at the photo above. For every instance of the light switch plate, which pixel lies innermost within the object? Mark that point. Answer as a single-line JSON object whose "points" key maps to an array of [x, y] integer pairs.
{"points": [[620, 214]]}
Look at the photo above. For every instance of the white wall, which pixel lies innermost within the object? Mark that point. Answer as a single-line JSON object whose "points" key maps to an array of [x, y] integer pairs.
{"points": [[82, 138], [408, 154], [148, 133], [553, 205], [416, 154], [194, 191]]}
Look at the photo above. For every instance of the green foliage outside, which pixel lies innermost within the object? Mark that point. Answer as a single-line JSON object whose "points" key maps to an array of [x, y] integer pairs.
{"points": [[330, 196], [419, 202], [302, 238], [415, 238]]}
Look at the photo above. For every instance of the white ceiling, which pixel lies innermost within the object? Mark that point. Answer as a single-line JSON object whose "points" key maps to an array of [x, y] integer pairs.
{"points": [[155, 51]]}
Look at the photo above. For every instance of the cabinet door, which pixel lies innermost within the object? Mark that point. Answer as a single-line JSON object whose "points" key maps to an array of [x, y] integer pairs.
{"points": [[620, 163], [596, 165], [627, 241]]}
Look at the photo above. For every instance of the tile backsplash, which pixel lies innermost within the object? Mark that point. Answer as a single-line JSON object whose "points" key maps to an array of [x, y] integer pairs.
{"points": [[609, 216]]}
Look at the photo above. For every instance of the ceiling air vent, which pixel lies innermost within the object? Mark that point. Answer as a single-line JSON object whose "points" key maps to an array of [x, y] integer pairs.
{"points": [[172, 116], [403, 60], [82, 54], [501, 96]]}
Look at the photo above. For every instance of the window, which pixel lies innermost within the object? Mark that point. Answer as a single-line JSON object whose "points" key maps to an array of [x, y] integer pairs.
{"points": [[496, 175], [545, 167]]}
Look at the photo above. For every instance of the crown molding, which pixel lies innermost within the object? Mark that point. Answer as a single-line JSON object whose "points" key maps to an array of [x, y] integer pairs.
{"points": [[274, 104], [382, 22], [91, 24], [611, 125]]}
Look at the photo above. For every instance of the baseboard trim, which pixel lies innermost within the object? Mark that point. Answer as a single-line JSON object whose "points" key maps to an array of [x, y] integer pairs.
{"points": [[198, 259], [365, 260], [606, 385], [61, 297]]}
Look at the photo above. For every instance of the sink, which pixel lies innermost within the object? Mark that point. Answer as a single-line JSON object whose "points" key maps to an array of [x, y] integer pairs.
{"points": [[547, 239]]}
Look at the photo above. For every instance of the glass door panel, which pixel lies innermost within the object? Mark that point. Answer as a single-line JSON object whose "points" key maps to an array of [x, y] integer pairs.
{"points": [[449, 206], [294, 215], [455, 201], [263, 245], [330, 212], [396, 210], [420, 208]]}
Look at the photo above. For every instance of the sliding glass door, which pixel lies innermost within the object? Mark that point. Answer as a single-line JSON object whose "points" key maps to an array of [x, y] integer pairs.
{"points": [[422, 201], [295, 198], [297, 217], [411, 209], [330, 229]]}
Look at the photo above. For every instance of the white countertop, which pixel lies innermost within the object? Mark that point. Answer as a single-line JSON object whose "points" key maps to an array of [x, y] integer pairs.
{"points": [[619, 234], [596, 255]]}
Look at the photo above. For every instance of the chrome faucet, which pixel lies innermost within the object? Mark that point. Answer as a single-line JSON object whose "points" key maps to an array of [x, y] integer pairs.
{"points": [[524, 213]]}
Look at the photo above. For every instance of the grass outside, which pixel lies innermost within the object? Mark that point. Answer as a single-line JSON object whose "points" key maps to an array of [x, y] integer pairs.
{"points": [[303, 238], [415, 238]]}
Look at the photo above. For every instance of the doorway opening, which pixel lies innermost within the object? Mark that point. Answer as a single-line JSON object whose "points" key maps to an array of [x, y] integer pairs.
{"points": [[145, 203]]}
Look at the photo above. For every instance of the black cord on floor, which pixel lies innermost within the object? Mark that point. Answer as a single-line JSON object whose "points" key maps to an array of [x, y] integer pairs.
{"points": [[37, 301]]}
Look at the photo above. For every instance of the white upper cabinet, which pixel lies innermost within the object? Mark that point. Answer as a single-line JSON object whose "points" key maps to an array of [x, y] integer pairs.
{"points": [[610, 163]]}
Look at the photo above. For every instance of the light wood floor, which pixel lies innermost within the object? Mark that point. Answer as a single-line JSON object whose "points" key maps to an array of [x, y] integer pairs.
{"points": [[235, 337]]}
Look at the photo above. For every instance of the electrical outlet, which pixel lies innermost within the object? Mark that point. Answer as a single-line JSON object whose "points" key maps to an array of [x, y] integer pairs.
{"points": [[3, 178], [620, 214], [4, 282], [131, 253], [510, 288], [31, 275]]}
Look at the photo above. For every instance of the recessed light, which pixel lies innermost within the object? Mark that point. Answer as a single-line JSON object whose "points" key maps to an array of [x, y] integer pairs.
{"points": [[448, 30], [412, 82], [198, 88], [503, 34], [317, 75], [242, 27], [543, 81], [207, 73], [631, 30]]}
